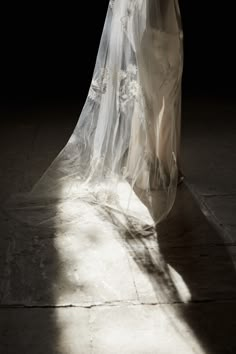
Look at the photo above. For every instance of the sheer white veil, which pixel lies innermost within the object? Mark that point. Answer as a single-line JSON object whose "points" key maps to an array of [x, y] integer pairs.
{"points": [[122, 158]]}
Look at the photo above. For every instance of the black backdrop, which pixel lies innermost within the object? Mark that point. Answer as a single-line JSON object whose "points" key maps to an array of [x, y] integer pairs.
{"points": [[48, 52]]}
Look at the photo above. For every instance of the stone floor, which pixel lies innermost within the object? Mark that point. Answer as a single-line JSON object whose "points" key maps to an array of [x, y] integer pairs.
{"points": [[209, 131], [174, 292]]}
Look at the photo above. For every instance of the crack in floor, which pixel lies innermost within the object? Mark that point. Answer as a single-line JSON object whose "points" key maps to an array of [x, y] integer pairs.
{"points": [[117, 303]]}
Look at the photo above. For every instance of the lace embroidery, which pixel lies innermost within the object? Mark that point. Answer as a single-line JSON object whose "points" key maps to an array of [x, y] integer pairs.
{"points": [[128, 85], [111, 3], [129, 88], [129, 12], [129, 91], [99, 85]]}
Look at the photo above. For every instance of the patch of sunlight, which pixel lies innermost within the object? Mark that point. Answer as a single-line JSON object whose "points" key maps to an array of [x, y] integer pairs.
{"points": [[93, 263], [181, 287], [95, 269], [74, 333]]}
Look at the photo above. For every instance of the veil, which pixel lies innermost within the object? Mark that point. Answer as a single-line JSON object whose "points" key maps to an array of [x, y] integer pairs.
{"points": [[122, 158]]}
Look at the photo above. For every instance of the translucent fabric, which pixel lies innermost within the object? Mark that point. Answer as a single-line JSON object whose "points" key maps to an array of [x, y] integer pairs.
{"points": [[122, 158]]}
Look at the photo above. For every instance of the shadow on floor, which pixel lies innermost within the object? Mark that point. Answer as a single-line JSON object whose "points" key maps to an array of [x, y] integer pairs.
{"points": [[29, 261], [195, 249], [187, 243]]}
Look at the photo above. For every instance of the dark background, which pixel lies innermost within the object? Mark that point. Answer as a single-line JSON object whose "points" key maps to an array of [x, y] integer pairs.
{"points": [[48, 52]]}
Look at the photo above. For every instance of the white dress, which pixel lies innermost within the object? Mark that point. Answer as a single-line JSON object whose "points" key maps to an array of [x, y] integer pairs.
{"points": [[122, 159]]}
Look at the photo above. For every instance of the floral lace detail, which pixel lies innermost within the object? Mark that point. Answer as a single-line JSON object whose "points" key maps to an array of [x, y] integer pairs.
{"points": [[99, 85], [129, 13], [129, 87], [111, 3]]}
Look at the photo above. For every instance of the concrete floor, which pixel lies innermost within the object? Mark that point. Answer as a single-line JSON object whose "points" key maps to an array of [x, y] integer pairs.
{"points": [[174, 292]]}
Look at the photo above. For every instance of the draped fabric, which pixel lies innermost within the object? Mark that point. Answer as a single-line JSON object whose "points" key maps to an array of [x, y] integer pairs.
{"points": [[123, 155]]}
